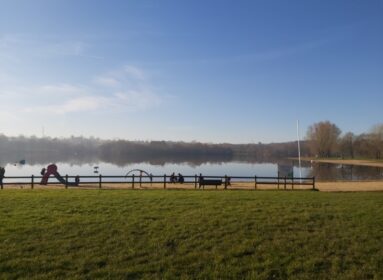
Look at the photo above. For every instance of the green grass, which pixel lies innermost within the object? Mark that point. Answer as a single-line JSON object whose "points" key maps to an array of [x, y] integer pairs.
{"points": [[125, 234]]}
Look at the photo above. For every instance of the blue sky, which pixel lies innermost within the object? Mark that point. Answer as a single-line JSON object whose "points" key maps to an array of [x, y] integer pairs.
{"points": [[213, 71]]}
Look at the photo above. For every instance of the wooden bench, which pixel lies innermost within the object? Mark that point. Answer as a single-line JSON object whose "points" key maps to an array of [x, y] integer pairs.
{"points": [[210, 182]]}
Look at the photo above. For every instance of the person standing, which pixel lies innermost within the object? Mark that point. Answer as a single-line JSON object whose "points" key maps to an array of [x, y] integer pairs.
{"points": [[173, 178], [2, 172], [180, 178], [200, 180]]}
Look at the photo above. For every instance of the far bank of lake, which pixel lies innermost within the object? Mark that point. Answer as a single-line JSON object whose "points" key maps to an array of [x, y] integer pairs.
{"points": [[358, 162]]}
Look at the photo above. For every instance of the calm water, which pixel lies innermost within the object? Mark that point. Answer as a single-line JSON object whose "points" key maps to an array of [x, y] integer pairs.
{"points": [[320, 171]]}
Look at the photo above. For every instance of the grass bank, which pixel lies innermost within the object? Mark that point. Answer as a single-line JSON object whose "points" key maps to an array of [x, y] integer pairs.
{"points": [[115, 234]]}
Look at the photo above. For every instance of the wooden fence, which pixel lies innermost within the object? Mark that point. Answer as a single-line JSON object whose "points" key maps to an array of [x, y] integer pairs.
{"points": [[134, 181]]}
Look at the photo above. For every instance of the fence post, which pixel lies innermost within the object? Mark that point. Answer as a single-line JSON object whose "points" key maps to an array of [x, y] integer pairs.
{"points": [[314, 183], [99, 181], [66, 181], [285, 182], [133, 181], [278, 180], [292, 183], [255, 182], [225, 182], [164, 181], [195, 181], [32, 181]]}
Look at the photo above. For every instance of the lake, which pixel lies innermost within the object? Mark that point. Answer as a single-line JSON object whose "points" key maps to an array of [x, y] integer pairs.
{"points": [[323, 171]]}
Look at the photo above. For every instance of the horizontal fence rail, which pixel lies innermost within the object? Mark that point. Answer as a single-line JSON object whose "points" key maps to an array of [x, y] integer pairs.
{"points": [[133, 181]]}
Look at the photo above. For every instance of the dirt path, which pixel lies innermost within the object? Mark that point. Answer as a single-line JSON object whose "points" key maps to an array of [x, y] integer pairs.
{"points": [[350, 186], [341, 186]]}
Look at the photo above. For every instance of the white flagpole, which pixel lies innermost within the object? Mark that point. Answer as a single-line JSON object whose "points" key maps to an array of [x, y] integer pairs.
{"points": [[299, 152]]}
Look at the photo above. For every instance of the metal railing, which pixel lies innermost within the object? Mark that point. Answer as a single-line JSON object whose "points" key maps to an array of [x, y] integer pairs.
{"points": [[133, 181]]}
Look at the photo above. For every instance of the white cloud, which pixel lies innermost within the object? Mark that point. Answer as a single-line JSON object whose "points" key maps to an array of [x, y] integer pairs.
{"points": [[129, 101], [126, 77], [137, 100], [7, 46], [80, 104], [107, 81], [8, 41], [74, 48], [7, 117], [121, 92], [43, 91], [134, 72], [130, 89], [5, 78], [18, 47], [62, 89]]}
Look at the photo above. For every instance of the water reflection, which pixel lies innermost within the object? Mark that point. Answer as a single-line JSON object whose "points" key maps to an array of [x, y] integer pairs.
{"points": [[41, 158]]}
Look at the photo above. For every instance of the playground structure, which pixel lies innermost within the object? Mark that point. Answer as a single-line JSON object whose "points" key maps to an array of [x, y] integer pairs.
{"points": [[141, 172], [52, 170]]}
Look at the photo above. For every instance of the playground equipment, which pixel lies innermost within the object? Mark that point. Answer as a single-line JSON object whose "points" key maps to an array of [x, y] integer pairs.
{"points": [[52, 170], [140, 171]]}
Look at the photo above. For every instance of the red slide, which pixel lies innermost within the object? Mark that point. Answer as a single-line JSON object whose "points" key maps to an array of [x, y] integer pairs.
{"points": [[52, 170]]}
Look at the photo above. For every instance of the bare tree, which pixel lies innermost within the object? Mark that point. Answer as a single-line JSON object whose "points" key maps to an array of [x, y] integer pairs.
{"points": [[346, 145], [323, 137], [376, 138], [363, 146]]}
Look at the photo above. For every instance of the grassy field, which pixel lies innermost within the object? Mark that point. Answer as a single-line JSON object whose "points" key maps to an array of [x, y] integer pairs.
{"points": [[127, 234]]}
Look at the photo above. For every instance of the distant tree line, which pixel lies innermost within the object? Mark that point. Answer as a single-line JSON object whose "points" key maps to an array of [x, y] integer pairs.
{"points": [[45, 150], [121, 152], [168, 151], [326, 140]]}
